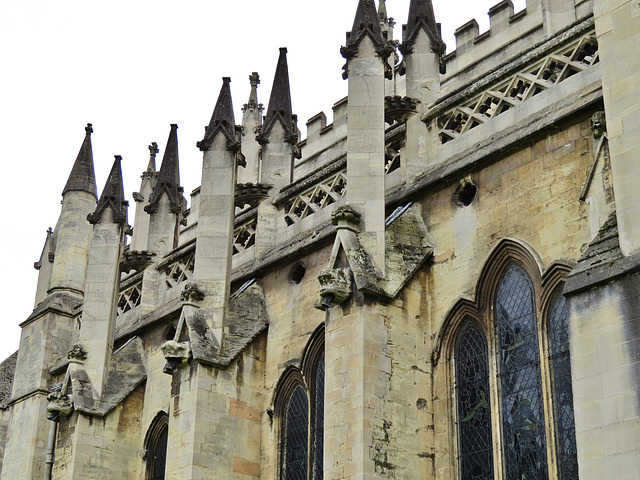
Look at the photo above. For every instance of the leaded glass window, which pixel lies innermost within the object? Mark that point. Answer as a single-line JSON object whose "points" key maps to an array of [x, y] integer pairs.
{"points": [[157, 447], [523, 427], [474, 411], [296, 437], [563, 392], [319, 420]]}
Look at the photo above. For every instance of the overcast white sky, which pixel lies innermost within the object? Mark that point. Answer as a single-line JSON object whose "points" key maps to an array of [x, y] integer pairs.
{"points": [[132, 67]]}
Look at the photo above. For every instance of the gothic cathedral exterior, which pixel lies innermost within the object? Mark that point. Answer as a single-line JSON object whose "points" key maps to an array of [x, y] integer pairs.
{"points": [[441, 284]]}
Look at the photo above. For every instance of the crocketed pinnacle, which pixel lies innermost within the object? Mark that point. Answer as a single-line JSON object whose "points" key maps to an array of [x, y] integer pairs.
{"points": [[168, 177], [366, 22], [222, 120], [112, 196], [82, 177], [280, 102], [421, 16], [382, 11]]}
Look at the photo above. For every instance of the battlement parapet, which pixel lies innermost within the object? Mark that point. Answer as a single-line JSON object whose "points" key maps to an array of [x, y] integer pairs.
{"points": [[509, 34]]}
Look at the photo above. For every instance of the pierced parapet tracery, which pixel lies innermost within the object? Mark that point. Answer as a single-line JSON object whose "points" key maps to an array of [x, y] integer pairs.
{"points": [[130, 298], [244, 235], [554, 68], [181, 270], [315, 198]]}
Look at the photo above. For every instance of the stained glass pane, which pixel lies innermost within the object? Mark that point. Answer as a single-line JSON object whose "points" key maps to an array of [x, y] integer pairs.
{"points": [[520, 381], [474, 412], [296, 437], [562, 390], [319, 421]]}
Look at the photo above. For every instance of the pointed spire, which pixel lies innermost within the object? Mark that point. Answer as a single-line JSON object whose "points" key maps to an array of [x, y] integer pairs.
{"points": [[386, 23], [82, 175], [382, 11], [421, 16], [280, 102], [168, 177], [112, 196], [254, 80], [366, 22], [222, 119]]}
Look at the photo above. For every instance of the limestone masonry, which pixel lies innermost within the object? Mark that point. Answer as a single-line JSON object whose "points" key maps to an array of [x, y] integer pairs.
{"points": [[443, 283]]}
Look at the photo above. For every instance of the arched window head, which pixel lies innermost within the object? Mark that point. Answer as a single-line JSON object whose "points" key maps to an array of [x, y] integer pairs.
{"points": [[523, 428], [300, 403], [157, 447], [474, 406], [560, 357]]}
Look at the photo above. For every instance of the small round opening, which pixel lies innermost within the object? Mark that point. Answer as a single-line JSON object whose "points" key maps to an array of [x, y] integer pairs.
{"points": [[465, 194], [297, 273]]}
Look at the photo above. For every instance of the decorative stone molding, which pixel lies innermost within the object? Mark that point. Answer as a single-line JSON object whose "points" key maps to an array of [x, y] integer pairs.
{"points": [[502, 94], [59, 406], [315, 198], [77, 353], [345, 215], [191, 293]]}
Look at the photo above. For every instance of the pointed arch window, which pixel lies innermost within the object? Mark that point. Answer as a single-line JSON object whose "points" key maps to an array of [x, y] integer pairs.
{"points": [[520, 381], [514, 415], [474, 407], [560, 360], [156, 443], [301, 402]]}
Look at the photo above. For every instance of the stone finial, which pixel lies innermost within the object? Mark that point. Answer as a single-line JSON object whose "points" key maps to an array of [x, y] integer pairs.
{"points": [[345, 214], [82, 176], [422, 17], [222, 121], [191, 293], [367, 24], [112, 196], [168, 177], [77, 353], [280, 109]]}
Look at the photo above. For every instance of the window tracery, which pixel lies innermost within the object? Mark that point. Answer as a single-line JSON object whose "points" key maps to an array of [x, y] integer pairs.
{"points": [[300, 401], [512, 372], [156, 444]]}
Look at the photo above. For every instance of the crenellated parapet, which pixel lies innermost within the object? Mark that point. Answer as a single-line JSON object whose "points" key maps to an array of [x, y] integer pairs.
{"points": [[510, 33]]}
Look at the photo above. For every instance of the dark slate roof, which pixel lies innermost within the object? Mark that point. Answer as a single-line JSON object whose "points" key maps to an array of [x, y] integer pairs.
{"points": [[280, 101], [222, 119], [602, 261], [7, 372], [112, 196], [82, 177], [421, 16], [168, 177]]}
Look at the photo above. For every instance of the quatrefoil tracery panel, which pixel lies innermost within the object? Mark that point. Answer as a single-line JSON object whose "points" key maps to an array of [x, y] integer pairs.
{"points": [[244, 235], [316, 198], [180, 271], [542, 75], [129, 298]]}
